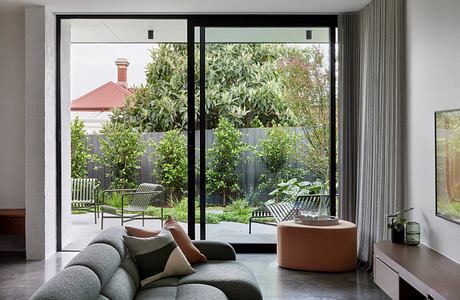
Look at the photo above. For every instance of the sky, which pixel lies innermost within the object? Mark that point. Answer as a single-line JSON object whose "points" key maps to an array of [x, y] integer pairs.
{"points": [[92, 65]]}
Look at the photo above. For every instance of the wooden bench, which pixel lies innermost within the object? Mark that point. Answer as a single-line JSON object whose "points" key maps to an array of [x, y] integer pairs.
{"points": [[12, 230], [13, 222], [415, 272]]}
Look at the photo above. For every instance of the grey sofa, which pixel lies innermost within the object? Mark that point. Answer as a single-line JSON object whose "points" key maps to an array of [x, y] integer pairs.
{"points": [[103, 270]]}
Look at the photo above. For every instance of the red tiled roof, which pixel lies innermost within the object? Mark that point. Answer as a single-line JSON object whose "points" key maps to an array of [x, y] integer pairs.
{"points": [[103, 98]]}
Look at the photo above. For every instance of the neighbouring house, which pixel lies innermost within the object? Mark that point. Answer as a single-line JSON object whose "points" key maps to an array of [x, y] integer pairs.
{"points": [[94, 108]]}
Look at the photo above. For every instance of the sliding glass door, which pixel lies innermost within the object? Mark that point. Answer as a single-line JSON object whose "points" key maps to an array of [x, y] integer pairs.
{"points": [[265, 111], [228, 113]]}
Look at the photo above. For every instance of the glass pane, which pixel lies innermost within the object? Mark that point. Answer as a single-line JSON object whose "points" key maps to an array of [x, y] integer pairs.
{"points": [[128, 120], [267, 125]]}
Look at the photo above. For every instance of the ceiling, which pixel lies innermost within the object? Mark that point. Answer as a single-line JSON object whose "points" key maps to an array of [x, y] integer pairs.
{"points": [[190, 6], [175, 31]]}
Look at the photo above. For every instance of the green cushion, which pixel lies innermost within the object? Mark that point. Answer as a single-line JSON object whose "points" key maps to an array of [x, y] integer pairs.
{"points": [[215, 250], [183, 292], [108, 209], [102, 259], [168, 281], [233, 278], [112, 236], [130, 267], [120, 287], [72, 283]]}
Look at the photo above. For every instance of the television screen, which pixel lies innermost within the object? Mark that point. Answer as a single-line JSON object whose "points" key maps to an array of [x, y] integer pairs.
{"points": [[448, 164]]}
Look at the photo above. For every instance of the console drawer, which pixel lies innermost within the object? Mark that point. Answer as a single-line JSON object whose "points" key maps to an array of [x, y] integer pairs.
{"points": [[386, 279]]}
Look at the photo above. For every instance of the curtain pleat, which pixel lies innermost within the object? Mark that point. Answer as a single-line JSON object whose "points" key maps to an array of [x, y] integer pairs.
{"points": [[372, 119], [349, 103]]}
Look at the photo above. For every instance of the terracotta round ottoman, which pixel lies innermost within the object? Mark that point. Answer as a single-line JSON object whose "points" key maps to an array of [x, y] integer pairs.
{"points": [[317, 248]]}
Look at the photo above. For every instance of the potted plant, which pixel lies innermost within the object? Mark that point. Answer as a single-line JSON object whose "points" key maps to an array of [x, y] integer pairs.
{"points": [[398, 219]]}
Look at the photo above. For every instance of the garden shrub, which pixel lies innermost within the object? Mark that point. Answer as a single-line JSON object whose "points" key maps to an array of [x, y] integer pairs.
{"points": [[179, 212], [306, 83], [224, 156], [238, 211], [289, 190], [80, 150], [171, 163], [275, 152], [121, 149]]}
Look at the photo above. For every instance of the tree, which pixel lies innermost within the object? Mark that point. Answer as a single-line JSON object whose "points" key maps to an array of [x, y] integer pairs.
{"points": [[242, 85], [306, 91], [171, 162], [275, 153], [224, 156], [121, 149], [80, 151], [160, 104]]}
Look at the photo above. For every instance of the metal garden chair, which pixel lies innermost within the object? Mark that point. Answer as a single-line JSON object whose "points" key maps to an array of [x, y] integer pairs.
{"points": [[146, 194], [285, 211], [84, 195]]}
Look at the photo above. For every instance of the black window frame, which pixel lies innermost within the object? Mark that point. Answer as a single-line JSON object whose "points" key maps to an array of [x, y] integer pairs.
{"points": [[202, 21]]}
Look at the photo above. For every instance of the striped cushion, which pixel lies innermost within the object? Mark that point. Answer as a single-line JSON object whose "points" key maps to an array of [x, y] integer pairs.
{"points": [[157, 257]]}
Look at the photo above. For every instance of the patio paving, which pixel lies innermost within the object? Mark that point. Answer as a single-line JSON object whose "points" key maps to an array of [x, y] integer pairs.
{"points": [[84, 230]]}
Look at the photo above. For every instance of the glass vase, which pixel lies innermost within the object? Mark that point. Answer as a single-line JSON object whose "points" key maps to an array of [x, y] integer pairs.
{"points": [[412, 233]]}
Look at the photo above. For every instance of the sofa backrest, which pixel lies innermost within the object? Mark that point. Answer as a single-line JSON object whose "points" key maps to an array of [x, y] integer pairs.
{"points": [[101, 270]]}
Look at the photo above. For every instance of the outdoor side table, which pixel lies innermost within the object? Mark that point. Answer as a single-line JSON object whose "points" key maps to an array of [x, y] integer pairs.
{"points": [[317, 248]]}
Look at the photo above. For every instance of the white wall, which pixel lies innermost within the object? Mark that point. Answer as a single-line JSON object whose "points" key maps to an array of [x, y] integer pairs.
{"points": [[433, 56], [12, 110], [12, 120]]}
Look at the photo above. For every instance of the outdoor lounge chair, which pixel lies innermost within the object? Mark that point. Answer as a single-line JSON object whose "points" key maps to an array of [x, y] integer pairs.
{"points": [[285, 211], [146, 194], [84, 195]]}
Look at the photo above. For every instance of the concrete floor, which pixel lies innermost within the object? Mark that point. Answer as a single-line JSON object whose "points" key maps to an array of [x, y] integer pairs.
{"points": [[19, 279], [83, 230]]}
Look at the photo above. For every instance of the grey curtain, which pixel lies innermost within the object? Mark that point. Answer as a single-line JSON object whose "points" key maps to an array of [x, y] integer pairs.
{"points": [[372, 76], [349, 117]]}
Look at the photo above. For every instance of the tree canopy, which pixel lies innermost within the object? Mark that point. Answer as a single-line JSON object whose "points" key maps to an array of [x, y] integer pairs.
{"points": [[242, 84], [250, 85]]}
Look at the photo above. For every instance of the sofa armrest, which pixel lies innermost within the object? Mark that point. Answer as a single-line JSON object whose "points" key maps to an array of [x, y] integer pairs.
{"points": [[214, 250]]}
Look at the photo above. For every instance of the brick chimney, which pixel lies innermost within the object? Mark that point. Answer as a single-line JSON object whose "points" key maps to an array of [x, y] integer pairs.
{"points": [[122, 66]]}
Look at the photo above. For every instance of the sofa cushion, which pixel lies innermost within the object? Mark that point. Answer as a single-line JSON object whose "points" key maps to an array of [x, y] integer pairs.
{"points": [[130, 267], [72, 283], [157, 257], [167, 281], [182, 239], [183, 292], [142, 232], [120, 287], [215, 250], [112, 236], [233, 278], [102, 259]]}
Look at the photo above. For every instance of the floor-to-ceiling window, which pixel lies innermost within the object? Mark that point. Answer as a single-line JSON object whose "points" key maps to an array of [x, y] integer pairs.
{"points": [[227, 117], [126, 108]]}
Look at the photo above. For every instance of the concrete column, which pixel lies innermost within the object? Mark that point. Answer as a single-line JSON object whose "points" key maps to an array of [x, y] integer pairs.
{"points": [[40, 132], [66, 223]]}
